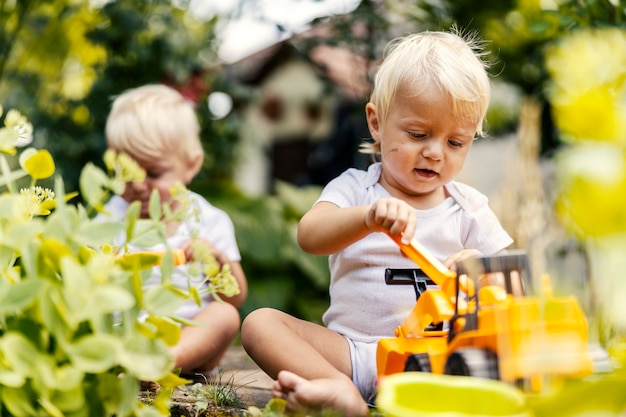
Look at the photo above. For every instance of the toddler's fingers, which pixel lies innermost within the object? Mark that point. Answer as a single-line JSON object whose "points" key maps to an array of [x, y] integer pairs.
{"points": [[390, 219], [188, 250], [409, 230], [405, 216], [453, 259]]}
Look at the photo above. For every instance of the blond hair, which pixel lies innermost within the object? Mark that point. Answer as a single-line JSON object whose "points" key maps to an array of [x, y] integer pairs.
{"points": [[152, 122], [451, 60]]}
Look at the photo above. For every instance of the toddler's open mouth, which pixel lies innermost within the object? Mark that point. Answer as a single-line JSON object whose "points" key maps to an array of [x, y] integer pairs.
{"points": [[426, 172]]}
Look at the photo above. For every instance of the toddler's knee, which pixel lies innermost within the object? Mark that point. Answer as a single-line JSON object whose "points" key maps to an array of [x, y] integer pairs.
{"points": [[255, 325], [227, 314]]}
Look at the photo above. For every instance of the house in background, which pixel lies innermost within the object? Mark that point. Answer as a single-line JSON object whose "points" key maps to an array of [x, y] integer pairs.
{"points": [[307, 117]]}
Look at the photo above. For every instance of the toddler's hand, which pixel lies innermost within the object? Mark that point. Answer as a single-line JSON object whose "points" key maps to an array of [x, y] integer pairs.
{"points": [[393, 216], [459, 256], [188, 248]]}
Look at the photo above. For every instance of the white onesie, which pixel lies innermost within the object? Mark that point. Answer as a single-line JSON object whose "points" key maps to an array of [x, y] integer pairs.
{"points": [[362, 307]]}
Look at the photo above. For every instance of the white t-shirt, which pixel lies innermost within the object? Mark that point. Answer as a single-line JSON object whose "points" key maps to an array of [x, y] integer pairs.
{"points": [[362, 306], [206, 221]]}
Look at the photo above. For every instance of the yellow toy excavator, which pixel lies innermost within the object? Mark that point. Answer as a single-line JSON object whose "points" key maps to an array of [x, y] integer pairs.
{"points": [[481, 321]]}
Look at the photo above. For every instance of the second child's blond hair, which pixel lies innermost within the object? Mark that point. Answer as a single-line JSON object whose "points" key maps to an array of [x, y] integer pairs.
{"points": [[450, 60], [154, 122]]}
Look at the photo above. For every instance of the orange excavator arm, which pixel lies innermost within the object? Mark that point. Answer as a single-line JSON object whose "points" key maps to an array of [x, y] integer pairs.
{"points": [[431, 266]]}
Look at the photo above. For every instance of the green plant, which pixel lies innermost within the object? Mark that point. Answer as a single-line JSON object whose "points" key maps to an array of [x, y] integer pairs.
{"points": [[215, 391], [281, 275], [71, 343]]}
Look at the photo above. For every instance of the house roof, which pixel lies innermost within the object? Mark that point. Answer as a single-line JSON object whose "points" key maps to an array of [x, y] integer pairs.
{"points": [[345, 68]]}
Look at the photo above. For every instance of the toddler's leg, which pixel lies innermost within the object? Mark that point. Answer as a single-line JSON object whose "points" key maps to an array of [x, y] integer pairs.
{"points": [[315, 362], [201, 347]]}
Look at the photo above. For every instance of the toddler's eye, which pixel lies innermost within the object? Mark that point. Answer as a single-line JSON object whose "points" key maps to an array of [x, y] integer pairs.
{"points": [[455, 143], [153, 174], [417, 135]]}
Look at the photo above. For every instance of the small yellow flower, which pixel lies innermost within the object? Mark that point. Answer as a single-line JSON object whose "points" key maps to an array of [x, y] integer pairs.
{"points": [[18, 131], [38, 200], [124, 168], [109, 158], [15, 120], [225, 282], [218, 278]]}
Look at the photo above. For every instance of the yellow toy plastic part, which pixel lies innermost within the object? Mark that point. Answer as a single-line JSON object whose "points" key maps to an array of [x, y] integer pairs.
{"points": [[419, 394]]}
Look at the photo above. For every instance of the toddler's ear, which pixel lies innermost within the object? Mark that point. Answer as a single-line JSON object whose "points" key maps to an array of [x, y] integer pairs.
{"points": [[195, 163], [373, 121]]}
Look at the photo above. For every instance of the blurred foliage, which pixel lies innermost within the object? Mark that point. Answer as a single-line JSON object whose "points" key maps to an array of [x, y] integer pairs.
{"points": [[516, 33], [73, 340], [279, 273], [62, 62], [587, 90]]}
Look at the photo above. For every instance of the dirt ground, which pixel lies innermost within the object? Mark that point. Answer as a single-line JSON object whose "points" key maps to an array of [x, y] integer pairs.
{"points": [[251, 384]]}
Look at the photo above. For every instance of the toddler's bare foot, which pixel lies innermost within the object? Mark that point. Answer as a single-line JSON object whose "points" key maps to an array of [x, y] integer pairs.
{"points": [[301, 394], [150, 386]]}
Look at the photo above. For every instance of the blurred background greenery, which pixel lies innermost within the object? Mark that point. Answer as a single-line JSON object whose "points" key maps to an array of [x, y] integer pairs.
{"points": [[62, 61]]}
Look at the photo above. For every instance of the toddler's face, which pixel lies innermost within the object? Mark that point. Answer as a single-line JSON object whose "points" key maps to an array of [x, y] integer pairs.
{"points": [[423, 145], [161, 174]]}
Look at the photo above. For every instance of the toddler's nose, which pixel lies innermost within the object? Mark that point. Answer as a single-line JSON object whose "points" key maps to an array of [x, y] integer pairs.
{"points": [[433, 150], [137, 187]]}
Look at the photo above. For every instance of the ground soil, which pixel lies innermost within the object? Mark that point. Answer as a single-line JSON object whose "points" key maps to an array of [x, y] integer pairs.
{"points": [[251, 384]]}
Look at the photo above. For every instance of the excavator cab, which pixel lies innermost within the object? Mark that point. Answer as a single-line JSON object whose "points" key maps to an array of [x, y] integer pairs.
{"points": [[484, 281]]}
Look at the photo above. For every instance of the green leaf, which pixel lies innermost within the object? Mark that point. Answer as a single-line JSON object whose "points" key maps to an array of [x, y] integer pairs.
{"points": [[132, 215], [160, 301], [55, 316], [18, 402], [28, 259], [195, 294], [68, 378], [94, 353], [69, 400], [65, 220], [148, 412], [147, 359], [147, 233], [165, 329], [11, 379], [12, 176], [93, 183], [20, 353], [19, 296], [50, 408], [297, 199], [118, 393], [12, 207], [167, 265], [154, 206], [22, 233], [98, 233], [77, 289], [109, 298]]}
